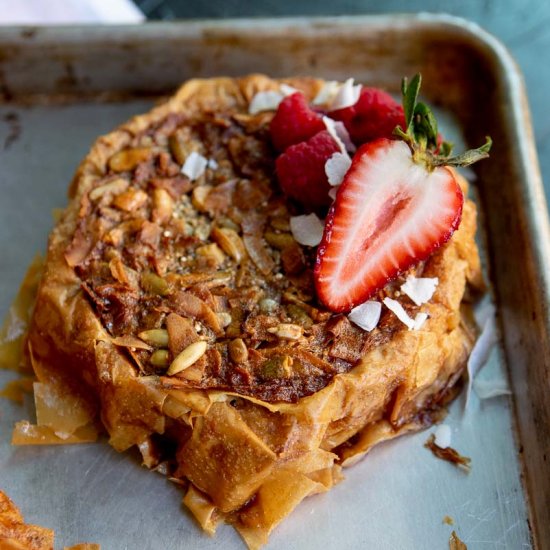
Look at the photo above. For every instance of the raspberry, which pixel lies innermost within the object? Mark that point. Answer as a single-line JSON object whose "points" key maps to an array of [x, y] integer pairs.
{"points": [[301, 170], [375, 115], [294, 122]]}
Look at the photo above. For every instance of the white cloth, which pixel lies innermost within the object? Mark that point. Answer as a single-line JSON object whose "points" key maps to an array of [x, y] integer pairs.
{"points": [[67, 12]]}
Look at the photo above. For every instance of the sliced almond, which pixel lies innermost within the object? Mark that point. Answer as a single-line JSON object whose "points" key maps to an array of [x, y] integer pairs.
{"points": [[128, 159], [238, 351], [229, 241], [190, 355], [130, 200], [163, 206], [199, 197], [114, 187], [212, 253]]}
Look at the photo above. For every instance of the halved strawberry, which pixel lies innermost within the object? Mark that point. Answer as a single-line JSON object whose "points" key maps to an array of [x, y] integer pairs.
{"points": [[301, 170], [294, 122], [389, 214], [375, 115], [398, 203]]}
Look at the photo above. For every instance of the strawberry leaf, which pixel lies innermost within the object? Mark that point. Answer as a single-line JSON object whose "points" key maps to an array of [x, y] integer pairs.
{"points": [[421, 133], [466, 158], [425, 126], [410, 95]]}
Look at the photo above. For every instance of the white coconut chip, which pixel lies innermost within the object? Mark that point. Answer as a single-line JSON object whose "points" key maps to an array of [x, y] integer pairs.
{"points": [[327, 93], [265, 101], [212, 164], [482, 348], [332, 193], [194, 166], [366, 315], [401, 314], [487, 389], [420, 290], [330, 125], [347, 95], [336, 167], [442, 436], [419, 320], [287, 90], [307, 230]]}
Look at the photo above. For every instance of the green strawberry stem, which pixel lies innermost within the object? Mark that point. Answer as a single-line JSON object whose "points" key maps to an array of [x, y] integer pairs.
{"points": [[421, 133]]}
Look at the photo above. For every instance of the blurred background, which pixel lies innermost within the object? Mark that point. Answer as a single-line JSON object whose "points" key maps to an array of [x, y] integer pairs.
{"points": [[522, 25]]}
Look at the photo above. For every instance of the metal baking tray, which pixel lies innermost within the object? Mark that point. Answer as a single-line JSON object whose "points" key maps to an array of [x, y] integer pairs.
{"points": [[62, 87]]}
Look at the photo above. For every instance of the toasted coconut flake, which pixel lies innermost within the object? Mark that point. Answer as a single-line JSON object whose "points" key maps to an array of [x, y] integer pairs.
{"points": [[336, 168], [129, 341], [449, 454], [194, 166], [346, 96], [327, 93], [442, 436], [265, 101], [258, 253], [401, 314], [420, 290], [307, 230], [366, 315], [487, 389]]}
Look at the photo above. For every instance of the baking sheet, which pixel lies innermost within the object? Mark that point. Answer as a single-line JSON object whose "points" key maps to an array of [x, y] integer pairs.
{"points": [[396, 498]]}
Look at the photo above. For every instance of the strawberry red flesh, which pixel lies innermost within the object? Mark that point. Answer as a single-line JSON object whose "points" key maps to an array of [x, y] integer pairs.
{"points": [[375, 115], [294, 122], [389, 214], [301, 170]]}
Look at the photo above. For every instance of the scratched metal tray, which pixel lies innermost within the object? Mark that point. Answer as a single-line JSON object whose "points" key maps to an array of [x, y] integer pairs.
{"points": [[62, 87]]}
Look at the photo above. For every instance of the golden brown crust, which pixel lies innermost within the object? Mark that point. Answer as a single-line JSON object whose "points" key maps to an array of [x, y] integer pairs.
{"points": [[16, 534], [249, 461]]}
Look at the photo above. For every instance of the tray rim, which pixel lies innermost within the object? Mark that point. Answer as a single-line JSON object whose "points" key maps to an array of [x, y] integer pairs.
{"points": [[518, 126]]}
